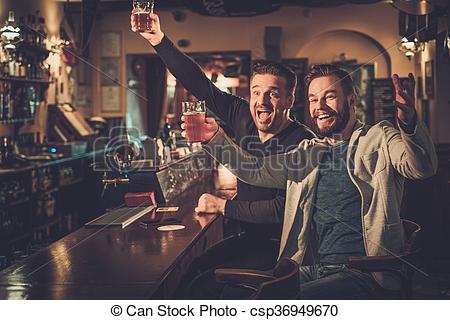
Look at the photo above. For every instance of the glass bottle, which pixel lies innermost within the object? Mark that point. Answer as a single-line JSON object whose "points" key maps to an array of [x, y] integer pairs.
{"points": [[32, 101], [2, 100], [42, 32], [22, 66], [6, 69], [29, 33], [33, 39], [12, 65], [23, 30]]}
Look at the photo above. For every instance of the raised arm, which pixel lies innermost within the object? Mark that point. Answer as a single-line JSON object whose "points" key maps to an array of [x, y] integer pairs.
{"points": [[411, 149], [188, 72], [269, 172]]}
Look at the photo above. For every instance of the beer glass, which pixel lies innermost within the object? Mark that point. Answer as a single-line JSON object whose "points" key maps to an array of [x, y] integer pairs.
{"points": [[194, 118], [141, 14]]}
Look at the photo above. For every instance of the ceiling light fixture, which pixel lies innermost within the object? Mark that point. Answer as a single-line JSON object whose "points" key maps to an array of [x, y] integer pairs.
{"points": [[410, 47], [10, 32]]}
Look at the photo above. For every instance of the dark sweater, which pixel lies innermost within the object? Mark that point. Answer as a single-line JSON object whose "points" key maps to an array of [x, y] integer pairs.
{"points": [[252, 204]]}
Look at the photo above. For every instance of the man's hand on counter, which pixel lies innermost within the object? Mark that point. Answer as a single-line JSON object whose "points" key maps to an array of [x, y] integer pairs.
{"points": [[209, 129], [154, 35], [209, 203]]}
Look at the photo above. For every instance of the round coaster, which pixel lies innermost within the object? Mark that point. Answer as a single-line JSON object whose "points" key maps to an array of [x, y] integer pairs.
{"points": [[171, 227]]}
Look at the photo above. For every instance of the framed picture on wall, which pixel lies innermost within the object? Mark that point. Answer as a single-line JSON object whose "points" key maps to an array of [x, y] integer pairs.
{"points": [[110, 71], [429, 79], [110, 62], [110, 98], [111, 46]]}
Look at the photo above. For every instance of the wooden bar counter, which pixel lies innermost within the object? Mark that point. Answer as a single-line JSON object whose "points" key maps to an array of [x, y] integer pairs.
{"points": [[129, 263]]}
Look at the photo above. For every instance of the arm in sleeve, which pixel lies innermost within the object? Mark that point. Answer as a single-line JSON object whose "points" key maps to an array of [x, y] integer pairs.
{"points": [[188, 72], [262, 211], [269, 172], [412, 154]]}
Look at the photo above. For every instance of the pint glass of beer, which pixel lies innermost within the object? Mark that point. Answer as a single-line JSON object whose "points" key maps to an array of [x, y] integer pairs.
{"points": [[141, 14], [194, 119]]}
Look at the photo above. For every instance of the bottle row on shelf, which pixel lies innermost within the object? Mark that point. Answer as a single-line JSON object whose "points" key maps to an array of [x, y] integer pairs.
{"points": [[20, 103], [21, 65], [33, 31], [23, 55]]}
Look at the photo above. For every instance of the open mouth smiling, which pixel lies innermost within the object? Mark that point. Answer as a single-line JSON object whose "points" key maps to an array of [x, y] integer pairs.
{"points": [[324, 116], [264, 114]]}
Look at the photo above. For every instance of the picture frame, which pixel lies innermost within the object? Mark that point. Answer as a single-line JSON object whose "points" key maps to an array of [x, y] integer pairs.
{"points": [[111, 44], [429, 79], [110, 71], [110, 59], [110, 99]]}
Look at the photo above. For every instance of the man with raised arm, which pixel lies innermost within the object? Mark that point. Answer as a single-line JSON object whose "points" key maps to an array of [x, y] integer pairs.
{"points": [[261, 127], [343, 191]]}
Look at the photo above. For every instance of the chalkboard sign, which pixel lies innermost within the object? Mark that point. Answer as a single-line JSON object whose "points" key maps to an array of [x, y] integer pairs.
{"points": [[383, 95]]}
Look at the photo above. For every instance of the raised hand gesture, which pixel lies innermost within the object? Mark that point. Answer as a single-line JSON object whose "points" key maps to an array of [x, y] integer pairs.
{"points": [[404, 98]]}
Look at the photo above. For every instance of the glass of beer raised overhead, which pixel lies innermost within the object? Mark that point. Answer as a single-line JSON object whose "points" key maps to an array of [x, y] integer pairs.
{"points": [[194, 119], [141, 14]]}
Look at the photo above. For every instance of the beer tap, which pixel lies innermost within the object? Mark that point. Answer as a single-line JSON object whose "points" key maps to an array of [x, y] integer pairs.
{"points": [[120, 158]]}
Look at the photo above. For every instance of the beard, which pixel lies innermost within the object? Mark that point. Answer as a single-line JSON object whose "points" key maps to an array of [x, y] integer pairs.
{"points": [[337, 127]]}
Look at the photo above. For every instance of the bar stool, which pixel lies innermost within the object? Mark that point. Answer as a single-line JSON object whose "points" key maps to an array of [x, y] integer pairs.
{"points": [[401, 266], [281, 283]]}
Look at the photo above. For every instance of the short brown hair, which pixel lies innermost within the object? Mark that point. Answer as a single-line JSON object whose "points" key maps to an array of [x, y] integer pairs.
{"points": [[276, 69], [325, 70]]}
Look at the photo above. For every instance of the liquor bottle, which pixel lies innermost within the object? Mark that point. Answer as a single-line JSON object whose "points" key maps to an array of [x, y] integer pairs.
{"points": [[46, 68], [36, 29], [29, 70], [168, 134], [32, 98], [36, 69], [22, 66], [2, 100], [17, 66], [5, 104], [6, 69], [29, 33], [42, 32], [20, 106], [23, 29], [32, 26], [7, 107], [31, 66], [6, 150], [12, 65]]}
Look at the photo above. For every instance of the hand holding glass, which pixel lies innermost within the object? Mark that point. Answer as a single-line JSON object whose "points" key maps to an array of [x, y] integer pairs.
{"points": [[194, 120], [141, 14]]}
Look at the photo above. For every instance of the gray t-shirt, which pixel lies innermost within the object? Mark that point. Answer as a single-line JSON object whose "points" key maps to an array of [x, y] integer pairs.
{"points": [[337, 209]]}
